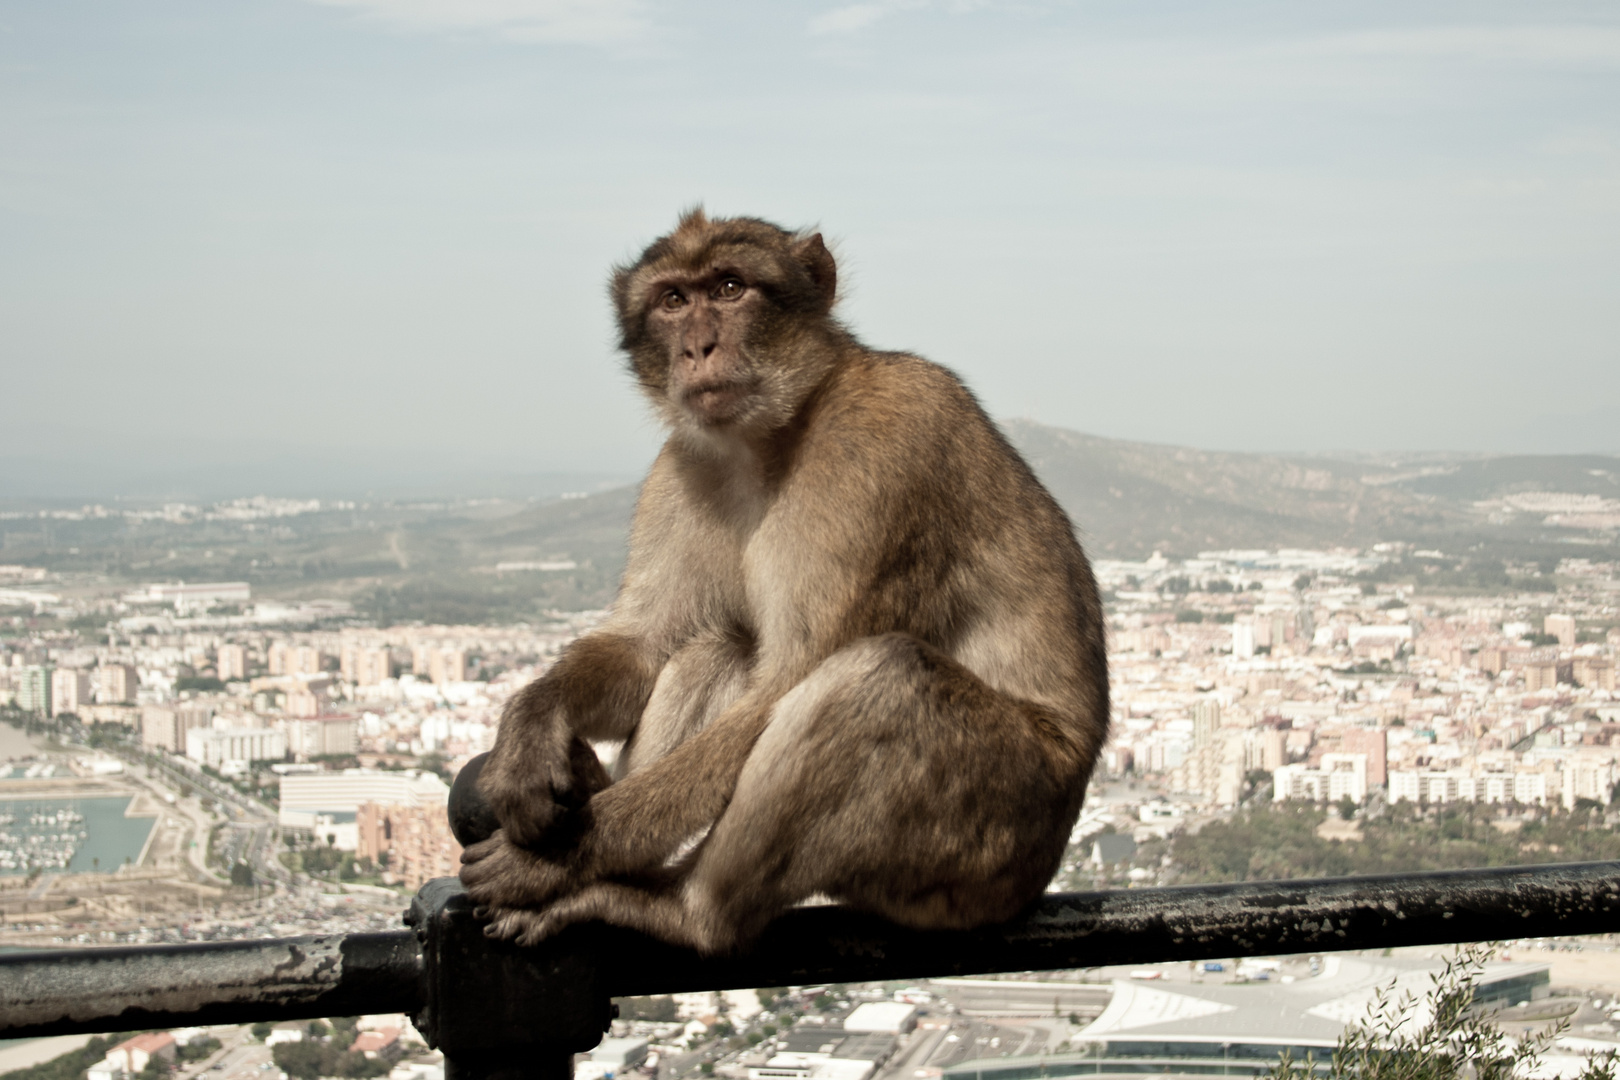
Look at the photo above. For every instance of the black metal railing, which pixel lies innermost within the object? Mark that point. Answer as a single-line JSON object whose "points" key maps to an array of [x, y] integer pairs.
{"points": [[498, 1010]]}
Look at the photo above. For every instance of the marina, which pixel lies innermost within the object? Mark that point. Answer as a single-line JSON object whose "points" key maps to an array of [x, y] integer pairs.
{"points": [[39, 836], [70, 835]]}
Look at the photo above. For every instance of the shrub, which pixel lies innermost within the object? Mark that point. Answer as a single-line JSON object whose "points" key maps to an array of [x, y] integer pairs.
{"points": [[1457, 1041]]}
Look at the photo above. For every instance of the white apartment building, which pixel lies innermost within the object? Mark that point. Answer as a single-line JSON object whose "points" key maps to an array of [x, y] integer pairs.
{"points": [[230, 661], [1459, 785], [213, 746], [314, 736], [365, 666], [70, 690], [164, 727], [1340, 776], [1242, 641], [1587, 780], [116, 683]]}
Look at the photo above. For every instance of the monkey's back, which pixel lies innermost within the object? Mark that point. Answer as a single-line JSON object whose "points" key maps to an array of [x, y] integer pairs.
{"points": [[962, 545]]}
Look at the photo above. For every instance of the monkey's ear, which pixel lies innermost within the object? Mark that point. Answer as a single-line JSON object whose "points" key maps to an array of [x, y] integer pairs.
{"points": [[813, 255]]}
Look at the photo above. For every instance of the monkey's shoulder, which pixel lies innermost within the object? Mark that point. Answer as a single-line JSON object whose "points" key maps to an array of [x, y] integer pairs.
{"points": [[899, 398], [884, 373]]}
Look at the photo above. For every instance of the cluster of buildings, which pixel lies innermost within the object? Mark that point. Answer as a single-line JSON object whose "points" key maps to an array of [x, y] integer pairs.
{"points": [[383, 1039], [1233, 670], [1241, 667], [255, 508], [394, 818], [326, 718]]}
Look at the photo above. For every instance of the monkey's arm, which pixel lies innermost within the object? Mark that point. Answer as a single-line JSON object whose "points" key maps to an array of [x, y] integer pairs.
{"points": [[541, 765], [634, 826]]}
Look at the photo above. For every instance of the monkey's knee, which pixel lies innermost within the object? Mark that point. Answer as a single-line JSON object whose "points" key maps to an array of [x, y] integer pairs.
{"points": [[696, 684]]}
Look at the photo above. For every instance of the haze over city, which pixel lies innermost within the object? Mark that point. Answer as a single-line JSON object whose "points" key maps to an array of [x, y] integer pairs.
{"points": [[289, 246]]}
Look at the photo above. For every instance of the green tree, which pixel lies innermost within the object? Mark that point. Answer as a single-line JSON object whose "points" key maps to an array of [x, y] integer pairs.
{"points": [[1457, 1042], [344, 1031], [197, 1049], [300, 1060], [354, 1064]]}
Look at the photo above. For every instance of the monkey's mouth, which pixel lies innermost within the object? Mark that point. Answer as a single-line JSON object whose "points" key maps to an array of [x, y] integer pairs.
{"points": [[718, 402]]}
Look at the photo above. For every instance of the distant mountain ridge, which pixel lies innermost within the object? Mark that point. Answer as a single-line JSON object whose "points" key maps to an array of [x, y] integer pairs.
{"points": [[513, 557], [1129, 499]]}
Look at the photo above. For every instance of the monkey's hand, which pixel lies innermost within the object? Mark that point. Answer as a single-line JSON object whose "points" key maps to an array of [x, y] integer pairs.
{"points": [[538, 781], [501, 877]]}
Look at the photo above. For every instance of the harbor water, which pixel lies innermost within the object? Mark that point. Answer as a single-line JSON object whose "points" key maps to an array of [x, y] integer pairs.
{"points": [[69, 835]]}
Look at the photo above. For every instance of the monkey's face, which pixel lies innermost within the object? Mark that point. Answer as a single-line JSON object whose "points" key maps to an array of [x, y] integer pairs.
{"points": [[722, 321], [701, 323]]}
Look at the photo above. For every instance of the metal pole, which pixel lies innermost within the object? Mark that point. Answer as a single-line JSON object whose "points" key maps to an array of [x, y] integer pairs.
{"points": [[68, 991], [1140, 926], [495, 1008]]}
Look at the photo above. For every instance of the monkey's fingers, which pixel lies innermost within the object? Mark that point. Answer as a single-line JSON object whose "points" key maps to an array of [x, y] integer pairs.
{"points": [[482, 850], [527, 802], [527, 826], [526, 925], [537, 926], [503, 922]]}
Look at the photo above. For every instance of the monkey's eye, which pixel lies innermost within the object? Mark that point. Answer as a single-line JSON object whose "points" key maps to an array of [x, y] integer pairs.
{"points": [[729, 289], [671, 300]]}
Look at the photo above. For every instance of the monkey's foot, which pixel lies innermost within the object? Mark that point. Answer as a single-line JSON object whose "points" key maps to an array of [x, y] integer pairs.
{"points": [[526, 926], [501, 875]]}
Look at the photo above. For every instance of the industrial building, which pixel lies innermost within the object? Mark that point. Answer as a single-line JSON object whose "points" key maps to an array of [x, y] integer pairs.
{"points": [[1191, 1027], [328, 802]]}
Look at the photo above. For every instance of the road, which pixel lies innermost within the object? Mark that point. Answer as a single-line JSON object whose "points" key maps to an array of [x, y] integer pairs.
{"points": [[914, 1053], [250, 825]]}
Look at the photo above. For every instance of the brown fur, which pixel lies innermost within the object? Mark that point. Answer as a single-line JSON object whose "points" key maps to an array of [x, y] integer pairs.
{"points": [[857, 651]]}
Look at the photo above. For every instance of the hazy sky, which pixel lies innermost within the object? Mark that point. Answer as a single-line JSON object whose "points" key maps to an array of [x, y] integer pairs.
{"points": [[375, 233]]}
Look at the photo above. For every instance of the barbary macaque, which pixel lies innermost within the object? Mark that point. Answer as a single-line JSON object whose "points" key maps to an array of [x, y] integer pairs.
{"points": [[857, 652]]}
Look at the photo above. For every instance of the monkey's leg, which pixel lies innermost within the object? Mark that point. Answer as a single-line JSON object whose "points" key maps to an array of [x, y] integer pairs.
{"points": [[895, 780], [892, 779], [702, 679]]}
